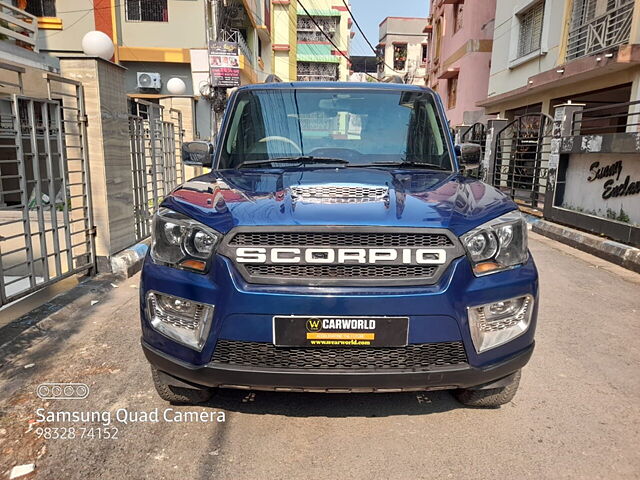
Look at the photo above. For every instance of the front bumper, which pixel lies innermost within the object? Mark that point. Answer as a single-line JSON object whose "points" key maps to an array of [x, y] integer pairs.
{"points": [[306, 380], [244, 313]]}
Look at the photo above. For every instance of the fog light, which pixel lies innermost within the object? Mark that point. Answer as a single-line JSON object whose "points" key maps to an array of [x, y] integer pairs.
{"points": [[495, 324], [185, 321]]}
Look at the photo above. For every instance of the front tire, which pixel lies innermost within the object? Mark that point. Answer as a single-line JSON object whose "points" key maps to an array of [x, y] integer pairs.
{"points": [[491, 397], [179, 395]]}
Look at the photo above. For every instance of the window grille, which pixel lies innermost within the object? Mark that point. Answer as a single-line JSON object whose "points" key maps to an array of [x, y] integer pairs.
{"points": [[147, 11], [308, 32], [317, 72], [530, 30]]}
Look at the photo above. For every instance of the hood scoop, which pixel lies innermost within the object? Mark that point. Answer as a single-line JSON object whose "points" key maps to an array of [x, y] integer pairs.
{"points": [[339, 194]]}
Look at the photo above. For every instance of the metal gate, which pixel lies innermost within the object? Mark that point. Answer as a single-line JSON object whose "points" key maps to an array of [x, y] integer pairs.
{"points": [[156, 161], [476, 133], [521, 158], [46, 227]]}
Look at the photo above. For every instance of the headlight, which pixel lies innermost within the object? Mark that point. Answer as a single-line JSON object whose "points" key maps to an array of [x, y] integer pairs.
{"points": [[185, 321], [497, 245], [179, 241], [495, 324]]}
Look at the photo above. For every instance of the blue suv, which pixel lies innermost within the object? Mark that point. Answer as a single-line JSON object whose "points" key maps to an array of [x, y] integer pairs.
{"points": [[336, 247]]}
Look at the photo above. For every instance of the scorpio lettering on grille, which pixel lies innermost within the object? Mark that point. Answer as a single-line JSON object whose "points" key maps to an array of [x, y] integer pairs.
{"points": [[372, 256]]}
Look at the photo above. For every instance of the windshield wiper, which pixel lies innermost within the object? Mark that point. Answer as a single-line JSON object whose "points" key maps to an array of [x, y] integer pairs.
{"points": [[302, 160], [429, 166]]}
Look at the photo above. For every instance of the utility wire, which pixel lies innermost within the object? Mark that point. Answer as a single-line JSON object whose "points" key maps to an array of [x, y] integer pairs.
{"points": [[328, 37]]}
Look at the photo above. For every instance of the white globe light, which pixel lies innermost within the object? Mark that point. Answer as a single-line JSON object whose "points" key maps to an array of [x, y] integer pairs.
{"points": [[176, 86], [97, 44]]}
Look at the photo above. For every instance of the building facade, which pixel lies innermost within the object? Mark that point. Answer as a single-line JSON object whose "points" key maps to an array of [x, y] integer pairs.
{"points": [[301, 51], [547, 52], [459, 60], [164, 38], [565, 82], [403, 49]]}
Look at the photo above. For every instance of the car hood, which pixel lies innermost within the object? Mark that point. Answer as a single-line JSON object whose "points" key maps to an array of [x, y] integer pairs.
{"points": [[412, 198]]}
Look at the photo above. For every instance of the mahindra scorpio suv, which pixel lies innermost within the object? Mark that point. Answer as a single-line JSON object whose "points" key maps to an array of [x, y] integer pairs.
{"points": [[335, 246]]}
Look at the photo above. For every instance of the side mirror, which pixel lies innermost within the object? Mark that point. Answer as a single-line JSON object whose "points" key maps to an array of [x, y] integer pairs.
{"points": [[468, 153], [197, 153]]}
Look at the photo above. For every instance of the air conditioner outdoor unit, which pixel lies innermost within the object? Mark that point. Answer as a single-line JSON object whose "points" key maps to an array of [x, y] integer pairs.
{"points": [[149, 80]]}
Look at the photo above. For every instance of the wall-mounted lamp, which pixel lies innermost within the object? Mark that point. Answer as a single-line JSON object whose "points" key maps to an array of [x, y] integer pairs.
{"points": [[608, 55], [598, 59], [530, 82], [560, 70]]}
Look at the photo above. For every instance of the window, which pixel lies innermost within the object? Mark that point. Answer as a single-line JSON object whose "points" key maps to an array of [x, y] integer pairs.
{"points": [[452, 92], [309, 32], [361, 127], [425, 53], [457, 16], [317, 72], [530, 30], [437, 39], [147, 11], [399, 56], [41, 8]]}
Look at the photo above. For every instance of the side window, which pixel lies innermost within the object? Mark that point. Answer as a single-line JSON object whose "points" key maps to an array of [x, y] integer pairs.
{"points": [[41, 8], [232, 139]]}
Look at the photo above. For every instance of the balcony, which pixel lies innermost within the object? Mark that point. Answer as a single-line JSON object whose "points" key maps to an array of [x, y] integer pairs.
{"points": [[595, 35], [18, 27]]}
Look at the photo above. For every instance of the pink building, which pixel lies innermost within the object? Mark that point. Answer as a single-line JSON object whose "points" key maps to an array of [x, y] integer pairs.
{"points": [[460, 55]]}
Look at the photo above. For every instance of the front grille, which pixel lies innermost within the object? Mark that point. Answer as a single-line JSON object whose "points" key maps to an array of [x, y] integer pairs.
{"points": [[340, 239], [342, 271], [420, 356]]}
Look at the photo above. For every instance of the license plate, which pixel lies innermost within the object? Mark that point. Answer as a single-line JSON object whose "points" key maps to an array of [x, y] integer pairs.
{"points": [[340, 331]]}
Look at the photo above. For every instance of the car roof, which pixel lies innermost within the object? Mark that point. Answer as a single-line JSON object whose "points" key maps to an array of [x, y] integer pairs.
{"points": [[335, 85]]}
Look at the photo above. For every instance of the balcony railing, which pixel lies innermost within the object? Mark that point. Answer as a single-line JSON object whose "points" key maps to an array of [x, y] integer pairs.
{"points": [[18, 26], [235, 36], [601, 33]]}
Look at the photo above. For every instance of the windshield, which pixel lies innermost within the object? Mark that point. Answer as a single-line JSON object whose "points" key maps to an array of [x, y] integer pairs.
{"points": [[357, 126]]}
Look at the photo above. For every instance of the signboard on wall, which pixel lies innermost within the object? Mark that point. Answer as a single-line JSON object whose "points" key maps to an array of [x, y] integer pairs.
{"points": [[604, 185], [224, 62]]}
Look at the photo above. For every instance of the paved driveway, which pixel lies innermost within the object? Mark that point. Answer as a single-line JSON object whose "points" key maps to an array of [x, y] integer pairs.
{"points": [[576, 414]]}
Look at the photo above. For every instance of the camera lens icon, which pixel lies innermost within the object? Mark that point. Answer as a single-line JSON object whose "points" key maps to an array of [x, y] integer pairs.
{"points": [[62, 391]]}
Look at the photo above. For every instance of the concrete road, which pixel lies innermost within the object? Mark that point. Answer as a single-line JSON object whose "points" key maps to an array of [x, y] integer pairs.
{"points": [[576, 415]]}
